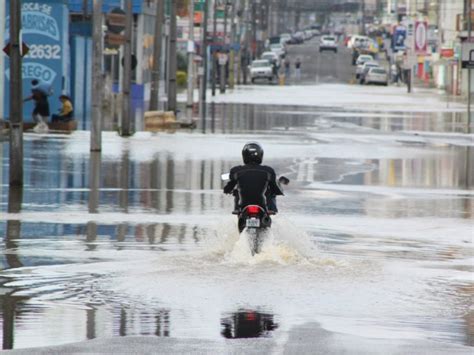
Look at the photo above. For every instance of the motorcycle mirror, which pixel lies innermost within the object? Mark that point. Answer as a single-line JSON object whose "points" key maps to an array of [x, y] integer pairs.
{"points": [[225, 177], [284, 180]]}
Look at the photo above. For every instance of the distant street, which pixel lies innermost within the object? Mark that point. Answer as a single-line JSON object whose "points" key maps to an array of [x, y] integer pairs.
{"points": [[325, 67], [370, 253]]}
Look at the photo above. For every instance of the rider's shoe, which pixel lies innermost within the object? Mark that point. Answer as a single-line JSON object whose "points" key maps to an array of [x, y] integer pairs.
{"points": [[235, 212], [271, 213]]}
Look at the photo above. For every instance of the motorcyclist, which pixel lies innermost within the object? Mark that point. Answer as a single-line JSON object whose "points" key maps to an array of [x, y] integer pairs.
{"points": [[253, 183]]}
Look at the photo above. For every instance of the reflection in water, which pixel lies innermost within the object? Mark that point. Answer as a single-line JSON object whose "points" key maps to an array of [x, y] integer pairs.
{"points": [[189, 186], [15, 198], [10, 304], [95, 161], [9, 300], [132, 323], [248, 324]]}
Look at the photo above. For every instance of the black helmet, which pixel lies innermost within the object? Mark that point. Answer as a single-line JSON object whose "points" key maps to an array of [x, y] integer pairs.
{"points": [[252, 153]]}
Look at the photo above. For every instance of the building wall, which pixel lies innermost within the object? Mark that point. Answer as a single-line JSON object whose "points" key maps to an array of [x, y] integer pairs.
{"points": [[447, 20], [45, 27]]}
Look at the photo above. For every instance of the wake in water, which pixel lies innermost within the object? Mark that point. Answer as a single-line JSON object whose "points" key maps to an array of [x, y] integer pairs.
{"points": [[283, 243]]}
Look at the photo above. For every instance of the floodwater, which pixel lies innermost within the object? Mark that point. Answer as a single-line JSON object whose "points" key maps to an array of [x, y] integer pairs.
{"points": [[374, 238]]}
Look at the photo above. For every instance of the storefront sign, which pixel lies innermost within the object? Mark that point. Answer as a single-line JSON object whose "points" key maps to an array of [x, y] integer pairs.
{"points": [[421, 37], [447, 52], [45, 30]]}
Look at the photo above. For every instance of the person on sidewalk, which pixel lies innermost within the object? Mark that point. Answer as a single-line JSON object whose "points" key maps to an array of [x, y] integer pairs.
{"points": [[298, 69], [287, 68], [66, 112], [39, 94]]}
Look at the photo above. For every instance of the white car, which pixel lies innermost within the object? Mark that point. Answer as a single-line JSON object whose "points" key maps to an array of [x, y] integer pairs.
{"points": [[362, 67], [271, 57], [284, 38], [364, 58], [365, 69], [278, 49], [261, 69], [357, 41], [328, 43], [376, 76]]}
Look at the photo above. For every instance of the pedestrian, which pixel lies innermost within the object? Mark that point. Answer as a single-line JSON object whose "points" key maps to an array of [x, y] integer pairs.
{"points": [[394, 73], [287, 68], [42, 87], [66, 112], [39, 94], [275, 69], [298, 69]]}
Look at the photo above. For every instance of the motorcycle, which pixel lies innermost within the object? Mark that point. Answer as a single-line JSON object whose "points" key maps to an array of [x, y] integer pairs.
{"points": [[255, 220]]}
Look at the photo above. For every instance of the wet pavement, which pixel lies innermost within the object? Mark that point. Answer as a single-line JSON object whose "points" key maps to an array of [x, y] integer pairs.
{"points": [[372, 248], [375, 232]]}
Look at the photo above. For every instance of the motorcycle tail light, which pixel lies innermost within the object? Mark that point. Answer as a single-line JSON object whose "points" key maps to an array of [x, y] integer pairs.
{"points": [[253, 209]]}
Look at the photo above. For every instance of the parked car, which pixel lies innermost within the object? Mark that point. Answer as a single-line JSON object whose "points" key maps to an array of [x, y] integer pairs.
{"points": [[284, 38], [365, 69], [357, 41], [328, 43], [278, 49], [376, 75], [308, 34], [296, 38], [361, 59], [271, 57], [261, 69], [362, 67]]}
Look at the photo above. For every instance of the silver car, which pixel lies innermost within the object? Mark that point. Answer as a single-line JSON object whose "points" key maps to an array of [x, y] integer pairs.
{"points": [[328, 43], [363, 65], [376, 76], [261, 69]]}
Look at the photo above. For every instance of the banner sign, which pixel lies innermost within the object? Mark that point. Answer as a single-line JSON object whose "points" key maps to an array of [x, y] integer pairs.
{"points": [[398, 38], [467, 55], [45, 31], [421, 37]]}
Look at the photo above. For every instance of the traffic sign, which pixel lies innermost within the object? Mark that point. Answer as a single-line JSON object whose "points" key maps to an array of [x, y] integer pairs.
{"points": [[114, 40], [116, 20], [467, 55], [134, 62], [23, 51], [421, 37]]}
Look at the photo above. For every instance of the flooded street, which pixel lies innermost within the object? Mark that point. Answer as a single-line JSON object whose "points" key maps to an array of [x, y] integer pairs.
{"points": [[373, 243]]}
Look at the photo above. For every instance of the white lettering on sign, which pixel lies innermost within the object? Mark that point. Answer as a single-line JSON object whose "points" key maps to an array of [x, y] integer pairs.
{"points": [[36, 71], [44, 51], [34, 6], [36, 23]]}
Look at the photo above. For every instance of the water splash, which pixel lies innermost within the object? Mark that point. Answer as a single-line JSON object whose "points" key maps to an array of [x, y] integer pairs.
{"points": [[284, 244]]}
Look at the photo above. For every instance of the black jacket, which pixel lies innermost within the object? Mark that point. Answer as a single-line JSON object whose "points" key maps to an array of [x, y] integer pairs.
{"points": [[254, 183]]}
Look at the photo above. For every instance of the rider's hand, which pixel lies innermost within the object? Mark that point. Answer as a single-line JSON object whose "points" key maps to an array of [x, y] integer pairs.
{"points": [[228, 189]]}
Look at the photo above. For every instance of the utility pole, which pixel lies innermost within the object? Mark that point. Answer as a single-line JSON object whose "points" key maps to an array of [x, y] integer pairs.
{"points": [[172, 59], [254, 29], [125, 130], [16, 101], [157, 50], [96, 126], [232, 49], [469, 33], [213, 49], [223, 64], [248, 34], [191, 55], [203, 97], [2, 65]]}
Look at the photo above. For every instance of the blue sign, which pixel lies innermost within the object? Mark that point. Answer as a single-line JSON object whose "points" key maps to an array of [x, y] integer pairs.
{"points": [[398, 38], [45, 30]]}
